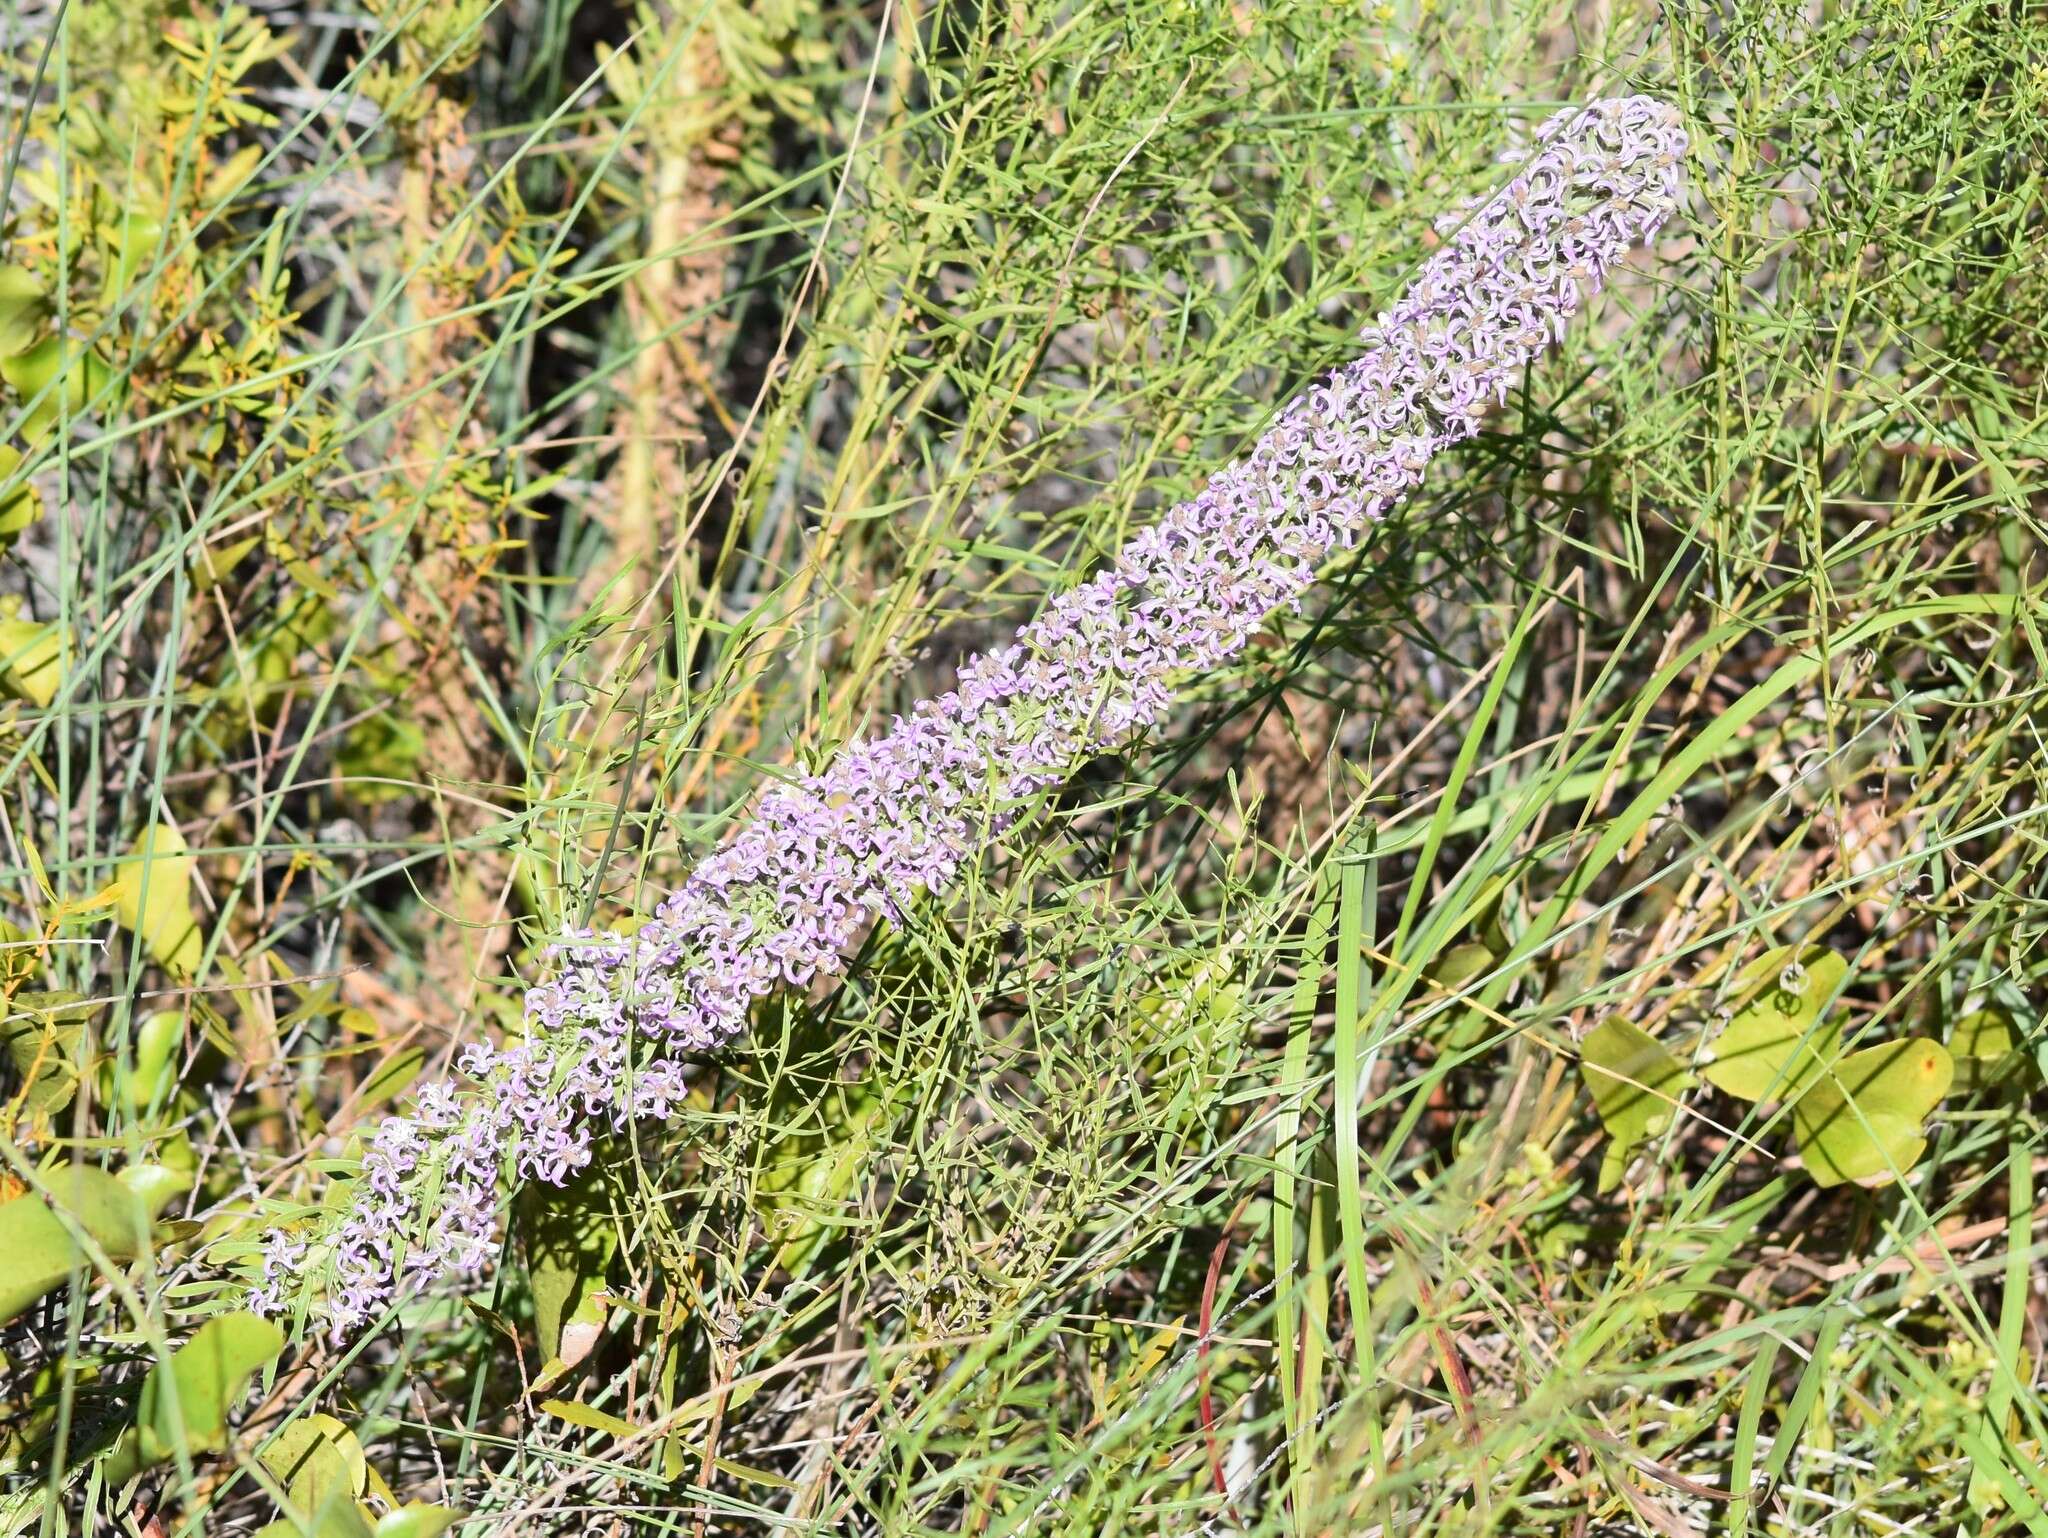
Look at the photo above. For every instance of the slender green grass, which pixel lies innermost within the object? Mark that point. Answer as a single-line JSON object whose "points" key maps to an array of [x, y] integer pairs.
{"points": [[518, 432]]}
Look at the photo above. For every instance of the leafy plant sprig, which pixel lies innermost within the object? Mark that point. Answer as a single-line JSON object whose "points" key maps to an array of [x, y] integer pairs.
{"points": [[1857, 1116]]}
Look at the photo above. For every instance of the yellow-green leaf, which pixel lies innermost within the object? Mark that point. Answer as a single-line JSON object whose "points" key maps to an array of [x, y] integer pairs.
{"points": [[185, 1402], [23, 309], [32, 659], [215, 566], [318, 1461], [1460, 964], [1986, 1049], [158, 1042], [71, 375], [808, 1176], [579, 1414], [391, 1078], [43, 1034], [153, 898], [40, 1250], [21, 953], [132, 245], [1861, 1123], [229, 176], [337, 1519], [21, 505], [1776, 1045], [1635, 1083], [417, 1519]]}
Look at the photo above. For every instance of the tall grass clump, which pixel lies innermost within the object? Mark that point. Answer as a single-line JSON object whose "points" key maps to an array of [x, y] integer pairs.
{"points": [[1541, 1035]]}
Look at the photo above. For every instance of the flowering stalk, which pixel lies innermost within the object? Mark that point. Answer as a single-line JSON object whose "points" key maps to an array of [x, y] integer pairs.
{"points": [[898, 815]]}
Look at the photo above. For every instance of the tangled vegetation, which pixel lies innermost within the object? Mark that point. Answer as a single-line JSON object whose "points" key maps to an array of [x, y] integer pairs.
{"points": [[1547, 1039]]}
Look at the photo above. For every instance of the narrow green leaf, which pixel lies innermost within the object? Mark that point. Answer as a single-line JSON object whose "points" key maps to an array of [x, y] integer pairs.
{"points": [[1357, 901], [391, 1079], [1298, 1403], [578, 1414]]}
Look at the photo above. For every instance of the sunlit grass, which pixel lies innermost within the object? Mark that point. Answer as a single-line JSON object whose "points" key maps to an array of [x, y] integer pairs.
{"points": [[616, 436]]}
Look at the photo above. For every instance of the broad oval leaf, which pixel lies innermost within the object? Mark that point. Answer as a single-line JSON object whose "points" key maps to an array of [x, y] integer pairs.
{"points": [[24, 307], [40, 1249], [1986, 1049], [46, 1040], [63, 375], [337, 1519], [153, 898], [570, 1238], [159, 1040], [1460, 964], [21, 506], [317, 1459], [808, 1176], [185, 1402], [1635, 1083], [1776, 1045], [1862, 1123], [31, 660]]}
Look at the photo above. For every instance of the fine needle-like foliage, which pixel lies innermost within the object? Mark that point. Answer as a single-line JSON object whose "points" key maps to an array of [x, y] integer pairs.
{"points": [[1545, 1038]]}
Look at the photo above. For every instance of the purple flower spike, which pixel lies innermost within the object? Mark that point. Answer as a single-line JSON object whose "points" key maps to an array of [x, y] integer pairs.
{"points": [[898, 815]]}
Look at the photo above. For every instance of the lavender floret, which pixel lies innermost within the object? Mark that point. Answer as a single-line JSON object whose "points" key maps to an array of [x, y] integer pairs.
{"points": [[896, 816]]}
